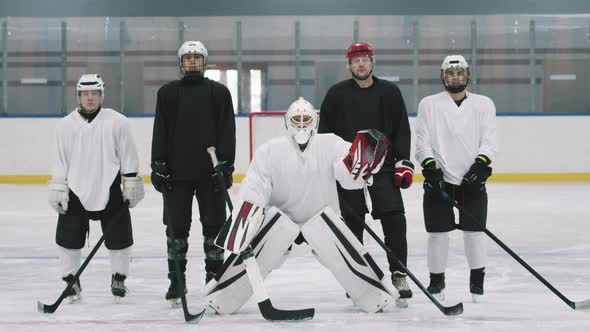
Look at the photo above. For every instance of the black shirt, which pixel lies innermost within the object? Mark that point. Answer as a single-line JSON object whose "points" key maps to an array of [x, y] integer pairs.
{"points": [[348, 108], [193, 114]]}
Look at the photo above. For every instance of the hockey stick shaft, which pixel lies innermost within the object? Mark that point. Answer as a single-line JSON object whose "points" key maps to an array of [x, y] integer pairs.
{"points": [[188, 317], [49, 309], [449, 311], [572, 304], [267, 310]]}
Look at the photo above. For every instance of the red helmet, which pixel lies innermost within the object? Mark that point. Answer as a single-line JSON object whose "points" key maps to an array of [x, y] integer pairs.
{"points": [[358, 49]]}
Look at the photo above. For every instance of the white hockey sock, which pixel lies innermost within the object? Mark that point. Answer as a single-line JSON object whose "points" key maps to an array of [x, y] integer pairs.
{"points": [[120, 261], [438, 252], [475, 249], [70, 260]]}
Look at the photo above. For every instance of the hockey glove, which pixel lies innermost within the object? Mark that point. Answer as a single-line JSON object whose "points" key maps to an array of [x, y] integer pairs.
{"points": [[226, 170], [479, 172], [133, 190], [433, 177], [59, 196], [366, 154], [161, 177], [403, 175]]}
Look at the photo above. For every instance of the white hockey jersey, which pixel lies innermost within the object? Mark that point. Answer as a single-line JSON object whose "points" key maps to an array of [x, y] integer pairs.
{"points": [[454, 136], [298, 183], [89, 155]]}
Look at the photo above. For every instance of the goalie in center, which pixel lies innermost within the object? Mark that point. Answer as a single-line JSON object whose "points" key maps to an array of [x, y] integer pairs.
{"points": [[289, 195]]}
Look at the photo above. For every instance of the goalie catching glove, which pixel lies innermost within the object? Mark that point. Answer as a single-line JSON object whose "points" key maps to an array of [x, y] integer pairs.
{"points": [[367, 154], [237, 233]]}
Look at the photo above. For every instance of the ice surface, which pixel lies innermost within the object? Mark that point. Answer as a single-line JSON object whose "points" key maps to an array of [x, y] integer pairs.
{"points": [[548, 225]]}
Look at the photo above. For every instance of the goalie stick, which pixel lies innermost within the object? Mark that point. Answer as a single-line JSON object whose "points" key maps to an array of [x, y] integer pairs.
{"points": [[188, 317], [268, 311], [580, 305]]}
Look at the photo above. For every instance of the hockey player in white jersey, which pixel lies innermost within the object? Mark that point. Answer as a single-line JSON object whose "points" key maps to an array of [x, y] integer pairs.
{"points": [[93, 148], [455, 144], [292, 178]]}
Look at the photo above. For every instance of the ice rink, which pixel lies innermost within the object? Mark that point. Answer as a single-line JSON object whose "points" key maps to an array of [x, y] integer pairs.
{"points": [[548, 225]]}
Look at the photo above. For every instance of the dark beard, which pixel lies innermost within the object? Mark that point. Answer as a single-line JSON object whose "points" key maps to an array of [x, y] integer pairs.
{"points": [[194, 73], [360, 78]]}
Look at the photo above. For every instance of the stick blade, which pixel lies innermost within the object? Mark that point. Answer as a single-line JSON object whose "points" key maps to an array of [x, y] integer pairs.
{"points": [[455, 310], [273, 314], [582, 305], [44, 308], [194, 319]]}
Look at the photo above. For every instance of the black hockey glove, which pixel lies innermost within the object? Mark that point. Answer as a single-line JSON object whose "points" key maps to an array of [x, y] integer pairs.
{"points": [[161, 177], [226, 170], [479, 172], [433, 177]]}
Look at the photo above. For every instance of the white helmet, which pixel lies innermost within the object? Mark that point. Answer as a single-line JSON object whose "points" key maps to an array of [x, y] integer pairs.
{"points": [[454, 61], [90, 82], [192, 47], [301, 121]]}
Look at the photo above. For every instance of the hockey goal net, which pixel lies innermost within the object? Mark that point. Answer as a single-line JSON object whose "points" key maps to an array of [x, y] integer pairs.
{"points": [[263, 126]]}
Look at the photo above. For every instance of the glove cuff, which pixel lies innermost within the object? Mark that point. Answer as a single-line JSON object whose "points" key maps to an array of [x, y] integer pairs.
{"points": [[58, 185], [483, 159], [132, 180], [405, 163], [429, 163]]}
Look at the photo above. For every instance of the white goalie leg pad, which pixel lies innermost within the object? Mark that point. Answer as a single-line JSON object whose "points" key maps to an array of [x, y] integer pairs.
{"points": [[475, 249], [120, 261], [342, 253], [271, 244], [70, 260], [438, 252], [236, 234]]}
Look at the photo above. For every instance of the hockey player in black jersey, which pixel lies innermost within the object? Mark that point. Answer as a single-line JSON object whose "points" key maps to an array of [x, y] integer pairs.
{"points": [[362, 102], [192, 114]]}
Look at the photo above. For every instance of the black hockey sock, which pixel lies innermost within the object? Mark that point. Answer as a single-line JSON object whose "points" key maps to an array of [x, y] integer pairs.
{"points": [[213, 256], [394, 232]]}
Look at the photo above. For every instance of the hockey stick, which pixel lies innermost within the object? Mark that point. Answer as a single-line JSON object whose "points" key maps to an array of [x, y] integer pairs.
{"points": [[582, 305], [454, 310], [49, 309], [268, 311], [188, 317]]}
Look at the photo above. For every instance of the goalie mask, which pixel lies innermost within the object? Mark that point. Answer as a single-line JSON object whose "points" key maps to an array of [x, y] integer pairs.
{"points": [[193, 47], [90, 82], [454, 73], [301, 121]]}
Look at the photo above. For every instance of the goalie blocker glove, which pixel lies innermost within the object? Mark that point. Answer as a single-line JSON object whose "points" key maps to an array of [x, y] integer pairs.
{"points": [[403, 175], [479, 172], [366, 154]]}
